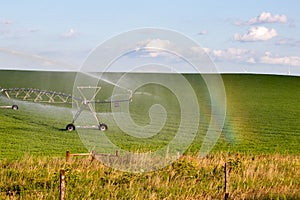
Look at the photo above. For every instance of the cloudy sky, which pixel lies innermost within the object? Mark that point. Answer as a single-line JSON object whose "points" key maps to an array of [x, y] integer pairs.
{"points": [[239, 36]]}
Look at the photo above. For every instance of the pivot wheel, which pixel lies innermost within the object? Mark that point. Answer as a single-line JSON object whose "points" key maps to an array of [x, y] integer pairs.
{"points": [[15, 107], [103, 127], [70, 127]]}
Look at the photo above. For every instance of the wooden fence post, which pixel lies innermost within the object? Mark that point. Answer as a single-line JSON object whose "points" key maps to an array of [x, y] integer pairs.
{"points": [[226, 188], [68, 156], [93, 153], [62, 184]]}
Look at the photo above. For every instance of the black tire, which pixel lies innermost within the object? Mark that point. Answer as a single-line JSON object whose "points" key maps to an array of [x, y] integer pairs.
{"points": [[103, 127], [70, 127], [15, 107]]}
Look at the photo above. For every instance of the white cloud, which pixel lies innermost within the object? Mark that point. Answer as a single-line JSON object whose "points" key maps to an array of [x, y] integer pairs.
{"points": [[7, 22], [259, 33], [20, 33], [153, 47], [157, 43], [288, 42], [232, 54], [203, 32], [9, 31], [70, 33], [251, 60], [268, 58], [237, 55], [265, 17], [33, 30]]}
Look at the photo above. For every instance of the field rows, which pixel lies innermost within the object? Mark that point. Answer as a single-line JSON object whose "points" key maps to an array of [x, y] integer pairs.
{"points": [[263, 116]]}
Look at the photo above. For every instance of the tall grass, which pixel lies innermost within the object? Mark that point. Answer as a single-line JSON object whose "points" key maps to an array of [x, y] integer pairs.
{"points": [[251, 177]]}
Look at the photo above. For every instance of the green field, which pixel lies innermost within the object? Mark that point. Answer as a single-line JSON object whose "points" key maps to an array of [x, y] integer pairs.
{"points": [[262, 124], [263, 116]]}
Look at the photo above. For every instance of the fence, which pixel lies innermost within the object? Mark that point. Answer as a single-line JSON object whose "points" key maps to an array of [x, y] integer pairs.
{"points": [[93, 155], [62, 173]]}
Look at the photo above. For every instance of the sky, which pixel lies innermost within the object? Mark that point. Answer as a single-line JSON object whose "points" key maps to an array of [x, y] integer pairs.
{"points": [[250, 36]]}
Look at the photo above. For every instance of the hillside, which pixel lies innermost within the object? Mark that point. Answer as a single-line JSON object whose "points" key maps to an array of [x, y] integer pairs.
{"points": [[263, 116]]}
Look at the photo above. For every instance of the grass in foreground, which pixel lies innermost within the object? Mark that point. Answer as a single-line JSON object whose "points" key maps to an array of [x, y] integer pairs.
{"points": [[251, 177]]}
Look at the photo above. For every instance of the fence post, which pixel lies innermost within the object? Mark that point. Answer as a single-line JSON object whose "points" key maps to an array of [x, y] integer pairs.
{"points": [[226, 188], [62, 184], [68, 156], [93, 155], [167, 153]]}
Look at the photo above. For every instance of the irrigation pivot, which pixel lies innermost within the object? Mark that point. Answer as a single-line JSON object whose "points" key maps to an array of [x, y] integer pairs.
{"points": [[14, 107], [52, 97]]}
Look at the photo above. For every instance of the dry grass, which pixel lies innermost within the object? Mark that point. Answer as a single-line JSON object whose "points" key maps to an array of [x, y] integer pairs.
{"points": [[259, 177]]}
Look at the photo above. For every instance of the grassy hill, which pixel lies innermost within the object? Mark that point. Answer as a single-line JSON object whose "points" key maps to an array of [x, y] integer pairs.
{"points": [[263, 112], [263, 116]]}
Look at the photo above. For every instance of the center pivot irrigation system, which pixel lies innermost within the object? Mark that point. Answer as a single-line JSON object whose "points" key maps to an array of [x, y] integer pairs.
{"points": [[51, 97]]}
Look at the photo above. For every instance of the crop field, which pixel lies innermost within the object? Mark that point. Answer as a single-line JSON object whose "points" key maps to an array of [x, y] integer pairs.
{"points": [[262, 125]]}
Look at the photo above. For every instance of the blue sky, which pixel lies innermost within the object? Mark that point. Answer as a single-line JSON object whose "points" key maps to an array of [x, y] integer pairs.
{"points": [[239, 36]]}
